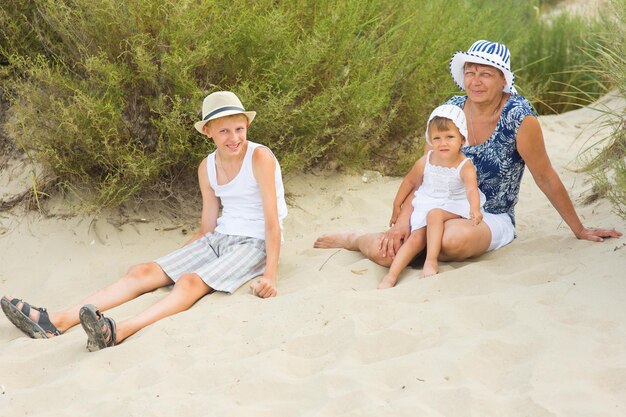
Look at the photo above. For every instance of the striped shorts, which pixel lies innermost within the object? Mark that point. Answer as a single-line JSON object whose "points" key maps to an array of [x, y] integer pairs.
{"points": [[224, 262]]}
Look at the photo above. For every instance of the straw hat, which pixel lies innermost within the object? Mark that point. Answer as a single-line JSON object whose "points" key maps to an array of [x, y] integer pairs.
{"points": [[220, 104], [485, 53], [453, 113]]}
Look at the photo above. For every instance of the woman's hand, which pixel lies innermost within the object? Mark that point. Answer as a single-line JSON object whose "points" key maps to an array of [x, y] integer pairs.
{"points": [[392, 239], [597, 234]]}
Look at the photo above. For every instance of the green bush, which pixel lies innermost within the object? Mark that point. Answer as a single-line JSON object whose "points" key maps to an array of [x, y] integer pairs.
{"points": [[104, 93]]}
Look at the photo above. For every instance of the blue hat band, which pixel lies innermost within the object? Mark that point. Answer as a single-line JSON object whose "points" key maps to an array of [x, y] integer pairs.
{"points": [[222, 109]]}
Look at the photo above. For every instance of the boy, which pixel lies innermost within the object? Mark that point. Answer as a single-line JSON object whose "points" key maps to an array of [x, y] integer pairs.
{"points": [[228, 249]]}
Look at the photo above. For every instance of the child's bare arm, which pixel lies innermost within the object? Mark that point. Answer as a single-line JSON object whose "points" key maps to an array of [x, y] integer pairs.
{"points": [[411, 181], [403, 192], [210, 204], [468, 175], [264, 165]]}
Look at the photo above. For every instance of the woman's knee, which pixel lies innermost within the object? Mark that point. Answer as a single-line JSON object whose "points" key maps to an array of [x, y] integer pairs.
{"points": [[375, 255], [456, 245]]}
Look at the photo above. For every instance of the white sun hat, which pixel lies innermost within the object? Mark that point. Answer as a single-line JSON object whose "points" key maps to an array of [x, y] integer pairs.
{"points": [[220, 104], [485, 53], [453, 113]]}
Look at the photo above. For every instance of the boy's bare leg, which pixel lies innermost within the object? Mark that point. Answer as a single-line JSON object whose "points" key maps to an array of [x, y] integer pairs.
{"points": [[368, 244], [138, 280], [187, 290], [414, 245], [434, 234]]}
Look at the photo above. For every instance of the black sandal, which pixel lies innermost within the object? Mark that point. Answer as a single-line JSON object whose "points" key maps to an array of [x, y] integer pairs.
{"points": [[20, 317], [100, 330]]}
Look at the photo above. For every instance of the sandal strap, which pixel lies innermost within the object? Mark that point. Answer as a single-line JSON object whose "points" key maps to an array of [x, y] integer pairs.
{"points": [[46, 324], [44, 320], [111, 330], [25, 306]]}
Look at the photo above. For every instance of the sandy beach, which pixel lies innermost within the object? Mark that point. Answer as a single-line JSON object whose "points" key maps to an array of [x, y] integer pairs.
{"points": [[535, 329]]}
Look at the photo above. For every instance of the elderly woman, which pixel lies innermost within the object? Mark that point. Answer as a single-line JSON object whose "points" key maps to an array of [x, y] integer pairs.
{"points": [[504, 135]]}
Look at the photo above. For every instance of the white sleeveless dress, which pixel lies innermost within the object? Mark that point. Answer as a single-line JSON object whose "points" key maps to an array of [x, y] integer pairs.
{"points": [[442, 188]]}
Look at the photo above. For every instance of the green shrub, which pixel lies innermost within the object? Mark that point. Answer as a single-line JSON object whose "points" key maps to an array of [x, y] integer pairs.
{"points": [[104, 93]]}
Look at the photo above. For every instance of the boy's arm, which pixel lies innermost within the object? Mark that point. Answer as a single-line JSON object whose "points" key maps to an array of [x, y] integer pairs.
{"points": [[210, 204], [411, 181], [468, 175], [263, 166]]}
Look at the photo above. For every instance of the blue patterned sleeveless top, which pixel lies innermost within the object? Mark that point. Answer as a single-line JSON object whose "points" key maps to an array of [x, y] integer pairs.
{"points": [[499, 167]]}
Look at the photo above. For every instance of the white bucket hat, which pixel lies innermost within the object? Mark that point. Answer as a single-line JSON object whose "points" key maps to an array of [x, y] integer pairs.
{"points": [[220, 104], [485, 53], [453, 113]]}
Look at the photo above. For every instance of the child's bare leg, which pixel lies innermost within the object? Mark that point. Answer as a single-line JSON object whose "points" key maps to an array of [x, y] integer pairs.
{"points": [[413, 245], [434, 232], [187, 290], [138, 280]]}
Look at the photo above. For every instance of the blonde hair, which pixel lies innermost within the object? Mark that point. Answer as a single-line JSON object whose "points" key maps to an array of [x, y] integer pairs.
{"points": [[230, 116], [442, 124]]}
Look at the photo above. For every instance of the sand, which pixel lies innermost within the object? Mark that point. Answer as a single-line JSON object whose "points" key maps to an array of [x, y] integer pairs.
{"points": [[534, 329]]}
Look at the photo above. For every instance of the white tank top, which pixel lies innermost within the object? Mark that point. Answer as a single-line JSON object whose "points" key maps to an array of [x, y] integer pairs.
{"points": [[242, 207]]}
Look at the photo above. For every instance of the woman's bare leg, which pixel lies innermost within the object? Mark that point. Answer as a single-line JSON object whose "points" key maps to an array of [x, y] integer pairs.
{"points": [[368, 244], [461, 240]]}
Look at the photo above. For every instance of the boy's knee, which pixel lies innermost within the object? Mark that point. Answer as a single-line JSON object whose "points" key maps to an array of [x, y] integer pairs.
{"points": [[142, 270], [191, 282]]}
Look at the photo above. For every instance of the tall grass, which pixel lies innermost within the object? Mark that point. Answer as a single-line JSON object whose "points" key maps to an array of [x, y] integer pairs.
{"points": [[554, 61], [608, 166], [104, 93]]}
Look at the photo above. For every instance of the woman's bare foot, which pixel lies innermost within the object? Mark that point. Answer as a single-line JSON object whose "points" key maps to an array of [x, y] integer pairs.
{"points": [[389, 281], [430, 268], [345, 240]]}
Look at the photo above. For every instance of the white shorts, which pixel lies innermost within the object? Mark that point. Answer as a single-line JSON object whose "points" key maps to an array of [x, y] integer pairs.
{"points": [[502, 230]]}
